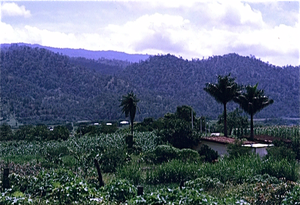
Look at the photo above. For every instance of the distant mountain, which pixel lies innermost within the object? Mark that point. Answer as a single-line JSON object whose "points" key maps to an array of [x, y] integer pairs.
{"points": [[41, 86], [89, 54]]}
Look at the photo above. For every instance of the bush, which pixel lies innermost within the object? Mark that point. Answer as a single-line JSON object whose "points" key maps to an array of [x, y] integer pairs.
{"points": [[208, 154], [188, 155], [263, 178], [112, 158], [57, 186], [174, 196], [162, 153], [6, 132], [174, 171], [280, 169], [119, 191], [165, 153], [292, 197], [280, 153], [130, 172], [205, 183], [236, 149]]}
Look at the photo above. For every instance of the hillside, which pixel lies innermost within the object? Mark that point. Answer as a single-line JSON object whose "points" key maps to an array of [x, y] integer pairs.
{"points": [[40, 86], [183, 81]]}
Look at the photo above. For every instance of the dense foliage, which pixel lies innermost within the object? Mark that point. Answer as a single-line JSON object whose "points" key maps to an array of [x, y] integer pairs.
{"points": [[30, 133], [62, 172], [40, 86], [178, 128]]}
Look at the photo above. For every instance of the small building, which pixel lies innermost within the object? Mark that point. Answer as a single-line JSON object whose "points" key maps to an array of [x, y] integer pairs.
{"points": [[220, 145], [123, 123], [259, 148]]}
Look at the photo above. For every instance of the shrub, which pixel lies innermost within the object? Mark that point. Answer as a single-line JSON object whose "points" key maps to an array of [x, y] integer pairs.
{"points": [[145, 141], [57, 186], [112, 158], [174, 171], [292, 197], [208, 154], [281, 152], [280, 169], [262, 178], [162, 153], [5, 132], [130, 172], [236, 149], [205, 183], [119, 191], [174, 196], [188, 155]]}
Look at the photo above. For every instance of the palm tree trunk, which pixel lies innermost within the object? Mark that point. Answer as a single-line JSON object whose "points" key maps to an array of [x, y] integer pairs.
{"points": [[131, 126], [225, 121], [251, 128]]}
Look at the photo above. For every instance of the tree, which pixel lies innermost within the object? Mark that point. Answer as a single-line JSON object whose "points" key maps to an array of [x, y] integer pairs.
{"points": [[129, 106], [224, 91], [5, 132], [235, 119], [178, 128], [253, 101]]}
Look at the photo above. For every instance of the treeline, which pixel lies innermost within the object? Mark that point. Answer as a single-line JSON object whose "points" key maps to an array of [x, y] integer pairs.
{"points": [[40, 86], [34, 133]]}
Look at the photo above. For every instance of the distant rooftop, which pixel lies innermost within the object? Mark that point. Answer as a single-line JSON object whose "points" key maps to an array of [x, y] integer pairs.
{"points": [[224, 140]]}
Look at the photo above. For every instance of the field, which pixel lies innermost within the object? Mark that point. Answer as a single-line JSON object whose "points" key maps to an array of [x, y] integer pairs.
{"points": [[63, 172]]}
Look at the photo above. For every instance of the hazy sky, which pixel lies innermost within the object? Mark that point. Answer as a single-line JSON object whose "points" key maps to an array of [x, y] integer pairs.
{"points": [[190, 29]]}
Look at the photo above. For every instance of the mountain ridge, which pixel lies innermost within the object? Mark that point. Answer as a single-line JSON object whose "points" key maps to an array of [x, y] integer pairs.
{"points": [[89, 54], [42, 86]]}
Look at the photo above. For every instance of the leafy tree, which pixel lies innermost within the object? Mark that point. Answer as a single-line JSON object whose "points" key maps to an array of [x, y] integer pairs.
{"points": [[60, 132], [185, 112], [253, 101], [129, 106], [25, 132], [235, 119], [5, 132], [223, 92], [178, 128]]}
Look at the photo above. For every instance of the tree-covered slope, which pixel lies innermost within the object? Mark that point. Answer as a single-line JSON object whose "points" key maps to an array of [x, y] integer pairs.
{"points": [[183, 81], [38, 85], [41, 86]]}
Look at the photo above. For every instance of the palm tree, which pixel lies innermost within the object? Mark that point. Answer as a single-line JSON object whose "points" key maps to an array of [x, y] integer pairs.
{"points": [[129, 106], [223, 92], [252, 102]]}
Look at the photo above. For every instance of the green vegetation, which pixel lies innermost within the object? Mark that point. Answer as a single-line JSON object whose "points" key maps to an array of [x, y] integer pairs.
{"points": [[224, 91], [62, 172], [59, 164], [43, 87], [253, 101], [129, 106]]}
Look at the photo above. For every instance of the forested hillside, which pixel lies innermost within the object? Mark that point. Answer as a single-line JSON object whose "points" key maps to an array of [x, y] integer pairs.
{"points": [[40, 86], [183, 81]]}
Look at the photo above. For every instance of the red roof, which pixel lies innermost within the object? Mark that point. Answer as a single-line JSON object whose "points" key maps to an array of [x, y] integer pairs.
{"points": [[224, 140]]}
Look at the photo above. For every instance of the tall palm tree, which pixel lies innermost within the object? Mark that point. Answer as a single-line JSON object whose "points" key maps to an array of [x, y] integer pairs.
{"points": [[129, 106], [253, 101], [224, 91]]}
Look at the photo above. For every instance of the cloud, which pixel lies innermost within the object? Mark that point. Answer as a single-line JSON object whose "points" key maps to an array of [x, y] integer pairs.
{"points": [[203, 30], [229, 15], [156, 32], [12, 9]]}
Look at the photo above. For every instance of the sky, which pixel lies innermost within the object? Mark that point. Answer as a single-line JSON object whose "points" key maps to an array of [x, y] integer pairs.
{"points": [[268, 30]]}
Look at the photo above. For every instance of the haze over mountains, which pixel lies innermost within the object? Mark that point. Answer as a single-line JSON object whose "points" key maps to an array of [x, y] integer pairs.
{"points": [[88, 54], [42, 86]]}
